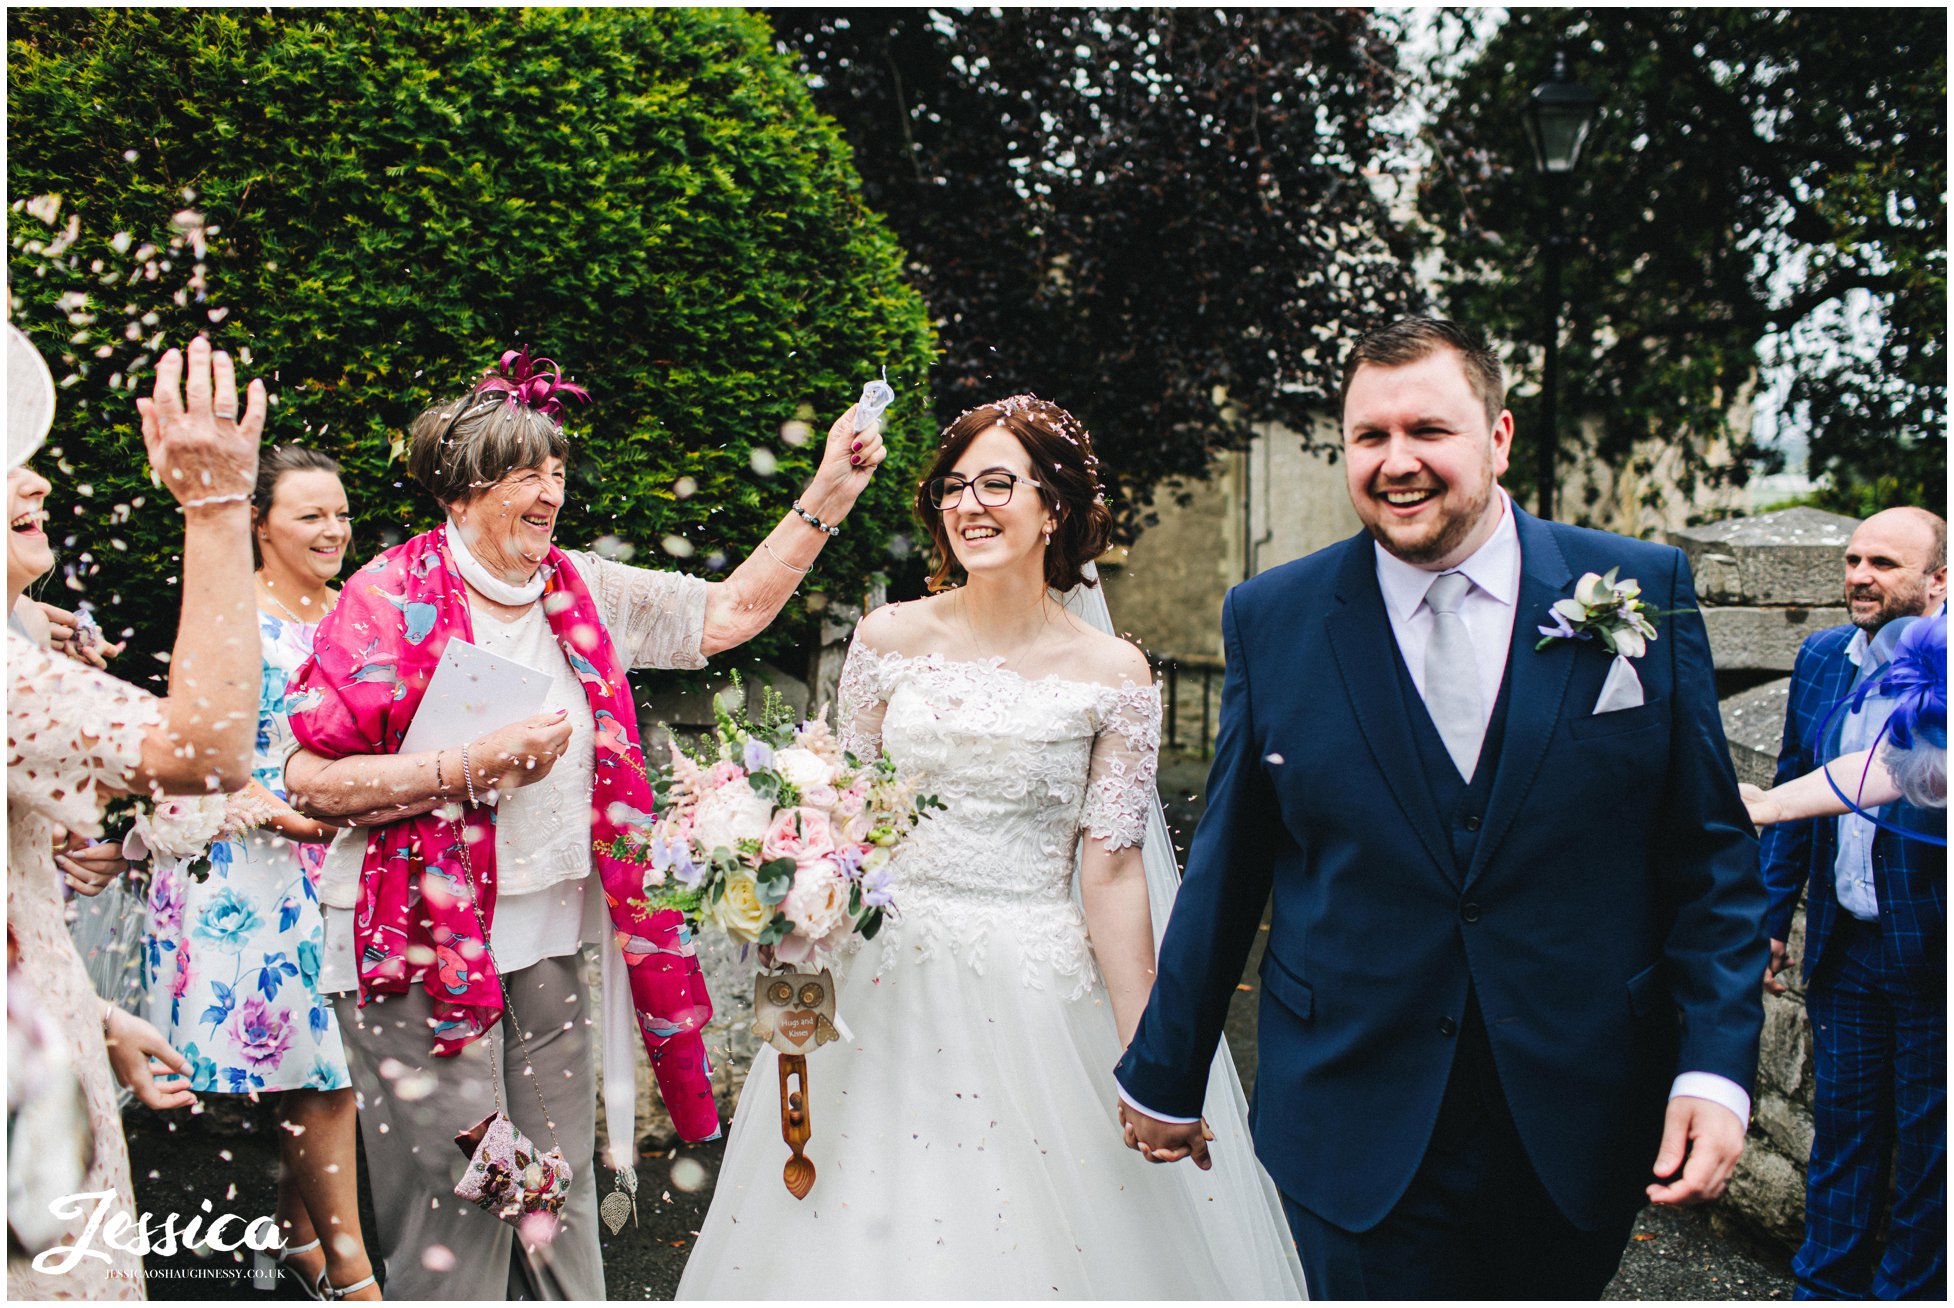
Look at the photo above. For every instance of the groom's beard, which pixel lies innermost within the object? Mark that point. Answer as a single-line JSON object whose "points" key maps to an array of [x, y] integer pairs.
{"points": [[1448, 535]]}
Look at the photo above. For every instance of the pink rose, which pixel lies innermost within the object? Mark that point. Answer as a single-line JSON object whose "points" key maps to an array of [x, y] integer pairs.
{"points": [[821, 797], [853, 800], [722, 772], [802, 834], [817, 904], [794, 950], [854, 831]]}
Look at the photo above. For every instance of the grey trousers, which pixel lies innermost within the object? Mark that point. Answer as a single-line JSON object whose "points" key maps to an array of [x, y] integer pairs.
{"points": [[412, 1104]]}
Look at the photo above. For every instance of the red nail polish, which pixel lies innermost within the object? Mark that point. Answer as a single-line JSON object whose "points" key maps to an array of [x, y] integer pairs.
{"points": [[856, 446]]}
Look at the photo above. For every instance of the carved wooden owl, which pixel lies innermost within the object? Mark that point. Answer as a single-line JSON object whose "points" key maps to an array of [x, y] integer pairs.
{"points": [[794, 1011]]}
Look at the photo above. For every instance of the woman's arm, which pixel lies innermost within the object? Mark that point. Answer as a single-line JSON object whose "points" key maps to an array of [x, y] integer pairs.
{"points": [[207, 457], [262, 809], [1811, 796], [1113, 890], [371, 790], [740, 607]]}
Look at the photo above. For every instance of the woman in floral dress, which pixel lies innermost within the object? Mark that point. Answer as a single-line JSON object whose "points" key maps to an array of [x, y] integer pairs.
{"points": [[231, 959]]}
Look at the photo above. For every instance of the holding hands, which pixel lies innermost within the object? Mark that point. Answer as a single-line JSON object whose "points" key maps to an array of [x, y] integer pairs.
{"points": [[1165, 1142]]}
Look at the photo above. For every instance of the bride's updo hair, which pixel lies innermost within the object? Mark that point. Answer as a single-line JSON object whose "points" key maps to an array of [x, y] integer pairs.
{"points": [[1061, 460]]}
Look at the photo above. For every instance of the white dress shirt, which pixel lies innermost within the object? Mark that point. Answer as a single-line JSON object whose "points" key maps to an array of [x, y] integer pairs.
{"points": [[1488, 611], [1852, 864]]}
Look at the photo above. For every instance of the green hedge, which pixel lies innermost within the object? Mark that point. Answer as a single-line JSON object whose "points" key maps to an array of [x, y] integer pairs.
{"points": [[389, 198]]}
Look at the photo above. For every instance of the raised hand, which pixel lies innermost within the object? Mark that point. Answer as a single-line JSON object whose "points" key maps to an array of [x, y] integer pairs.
{"points": [[199, 447], [850, 457]]}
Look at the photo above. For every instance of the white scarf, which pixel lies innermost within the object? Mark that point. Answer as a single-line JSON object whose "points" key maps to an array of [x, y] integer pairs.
{"points": [[486, 582]]}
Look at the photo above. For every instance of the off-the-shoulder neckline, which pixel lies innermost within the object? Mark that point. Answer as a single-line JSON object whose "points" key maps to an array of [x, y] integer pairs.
{"points": [[995, 663]]}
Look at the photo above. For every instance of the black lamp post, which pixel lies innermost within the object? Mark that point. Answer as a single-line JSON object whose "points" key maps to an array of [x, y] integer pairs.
{"points": [[1560, 113]]}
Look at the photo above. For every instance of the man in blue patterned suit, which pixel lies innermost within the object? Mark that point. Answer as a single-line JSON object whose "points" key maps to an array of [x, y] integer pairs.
{"points": [[1875, 954], [1510, 991]]}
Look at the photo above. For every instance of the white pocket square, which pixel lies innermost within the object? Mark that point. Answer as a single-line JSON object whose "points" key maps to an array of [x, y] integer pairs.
{"points": [[1622, 690]]}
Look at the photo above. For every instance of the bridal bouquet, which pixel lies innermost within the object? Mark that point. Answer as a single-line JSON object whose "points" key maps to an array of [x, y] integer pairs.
{"points": [[770, 833]]}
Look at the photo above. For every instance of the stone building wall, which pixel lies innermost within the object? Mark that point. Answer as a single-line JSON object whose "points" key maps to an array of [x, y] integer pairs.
{"points": [[1264, 506], [1765, 583]]}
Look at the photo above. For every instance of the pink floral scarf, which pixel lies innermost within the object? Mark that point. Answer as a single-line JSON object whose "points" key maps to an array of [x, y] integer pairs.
{"points": [[371, 661]]}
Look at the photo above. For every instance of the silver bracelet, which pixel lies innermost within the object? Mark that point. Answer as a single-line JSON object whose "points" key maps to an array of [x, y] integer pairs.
{"points": [[240, 497], [468, 776], [784, 563], [815, 522]]}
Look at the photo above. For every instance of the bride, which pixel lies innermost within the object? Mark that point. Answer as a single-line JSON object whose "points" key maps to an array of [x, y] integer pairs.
{"points": [[965, 1136]]}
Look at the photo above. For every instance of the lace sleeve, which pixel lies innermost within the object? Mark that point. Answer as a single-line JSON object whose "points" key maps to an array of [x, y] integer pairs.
{"points": [[71, 731], [862, 699], [1125, 757], [656, 619]]}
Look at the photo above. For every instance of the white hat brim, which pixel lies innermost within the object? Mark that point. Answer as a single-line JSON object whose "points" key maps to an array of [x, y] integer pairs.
{"points": [[30, 398]]}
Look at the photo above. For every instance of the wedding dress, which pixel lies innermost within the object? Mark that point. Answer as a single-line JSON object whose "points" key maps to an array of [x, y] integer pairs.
{"points": [[965, 1134]]}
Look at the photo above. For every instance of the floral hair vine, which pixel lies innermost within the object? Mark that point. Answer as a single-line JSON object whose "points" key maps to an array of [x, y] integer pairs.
{"points": [[1066, 427]]}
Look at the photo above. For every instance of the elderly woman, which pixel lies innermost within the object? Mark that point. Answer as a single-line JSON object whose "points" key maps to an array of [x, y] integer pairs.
{"points": [[483, 868], [76, 736]]}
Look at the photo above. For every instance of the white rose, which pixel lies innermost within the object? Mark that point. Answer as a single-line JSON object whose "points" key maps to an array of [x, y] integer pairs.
{"points": [[176, 828], [803, 769], [728, 815], [817, 904]]}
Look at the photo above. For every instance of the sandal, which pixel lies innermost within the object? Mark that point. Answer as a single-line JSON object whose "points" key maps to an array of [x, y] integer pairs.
{"points": [[327, 1290], [265, 1269]]}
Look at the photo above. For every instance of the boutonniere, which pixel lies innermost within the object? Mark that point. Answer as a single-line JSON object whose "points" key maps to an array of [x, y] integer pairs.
{"points": [[1606, 610]]}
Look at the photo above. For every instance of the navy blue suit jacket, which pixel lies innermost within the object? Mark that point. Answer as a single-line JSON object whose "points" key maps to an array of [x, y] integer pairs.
{"points": [[1608, 922], [1909, 876]]}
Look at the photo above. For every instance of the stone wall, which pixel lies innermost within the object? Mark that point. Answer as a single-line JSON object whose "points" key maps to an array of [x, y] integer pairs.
{"points": [[1765, 583]]}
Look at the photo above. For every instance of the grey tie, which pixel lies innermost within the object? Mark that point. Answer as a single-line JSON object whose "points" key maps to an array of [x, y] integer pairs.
{"points": [[1452, 674]]}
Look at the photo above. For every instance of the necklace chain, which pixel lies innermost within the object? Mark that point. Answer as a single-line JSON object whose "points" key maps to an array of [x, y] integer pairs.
{"points": [[963, 612], [281, 605]]}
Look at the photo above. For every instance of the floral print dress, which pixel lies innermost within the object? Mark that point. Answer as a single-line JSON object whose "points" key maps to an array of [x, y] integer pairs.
{"points": [[231, 962]]}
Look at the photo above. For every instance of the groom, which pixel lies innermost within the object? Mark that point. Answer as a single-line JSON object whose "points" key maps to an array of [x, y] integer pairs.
{"points": [[1510, 990]]}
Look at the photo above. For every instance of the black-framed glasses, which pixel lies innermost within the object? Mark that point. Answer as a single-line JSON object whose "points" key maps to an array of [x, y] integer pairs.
{"points": [[992, 489]]}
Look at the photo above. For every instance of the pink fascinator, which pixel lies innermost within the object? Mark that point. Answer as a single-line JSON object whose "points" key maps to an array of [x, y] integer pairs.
{"points": [[535, 384]]}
